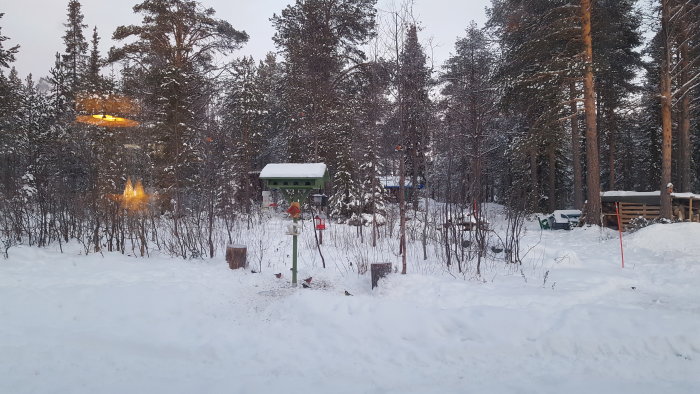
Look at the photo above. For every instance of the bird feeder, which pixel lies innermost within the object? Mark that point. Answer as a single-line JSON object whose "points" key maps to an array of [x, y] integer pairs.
{"points": [[319, 223], [320, 200], [295, 181], [294, 229]]}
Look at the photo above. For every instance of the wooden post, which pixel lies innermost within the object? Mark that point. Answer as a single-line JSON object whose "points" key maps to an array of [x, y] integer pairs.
{"points": [[379, 271], [690, 210], [619, 230], [236, 256]]}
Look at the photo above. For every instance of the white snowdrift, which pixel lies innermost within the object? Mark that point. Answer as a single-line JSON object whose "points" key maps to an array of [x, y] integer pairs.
{"points": [[672, 238], [569, 320]]}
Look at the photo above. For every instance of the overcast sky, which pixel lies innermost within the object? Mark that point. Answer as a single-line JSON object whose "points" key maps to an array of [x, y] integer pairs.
{"points": [[37, 25]]}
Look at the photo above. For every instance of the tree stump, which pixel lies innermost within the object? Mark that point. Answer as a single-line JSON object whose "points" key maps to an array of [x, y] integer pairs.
{"points": [[379, 270], [236, 256]]}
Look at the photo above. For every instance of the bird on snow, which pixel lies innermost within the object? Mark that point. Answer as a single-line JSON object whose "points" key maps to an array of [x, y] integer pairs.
{"points": [[347, 293], [253, 271], [304, 285], [308, 280], [278, 275]]}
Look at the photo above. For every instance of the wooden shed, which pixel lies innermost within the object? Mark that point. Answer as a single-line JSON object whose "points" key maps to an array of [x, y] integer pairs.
{"points": [[686, 206]]}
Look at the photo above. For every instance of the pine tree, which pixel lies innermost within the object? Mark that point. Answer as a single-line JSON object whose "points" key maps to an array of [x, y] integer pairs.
{"points": [[593, 207], [413, 79], [10, 110], [60, 94], [94, 82], [470, 107], [686, 16], [174, 48], [649, 131], [74, 58], [541, 56], [616, 35], [243, 113], [320, 41], [345, 201], [7, 56], [13, 136], [274, 118], [666, 104], [680, 20]]}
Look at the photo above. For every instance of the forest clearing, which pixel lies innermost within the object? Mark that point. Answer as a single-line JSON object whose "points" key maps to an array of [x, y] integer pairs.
{"points": [[350, 196]]}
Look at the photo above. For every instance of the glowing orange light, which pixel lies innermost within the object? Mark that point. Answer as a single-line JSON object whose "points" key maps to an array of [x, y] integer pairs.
{"points": [[134, 197], [106, 121], [97, 110]]}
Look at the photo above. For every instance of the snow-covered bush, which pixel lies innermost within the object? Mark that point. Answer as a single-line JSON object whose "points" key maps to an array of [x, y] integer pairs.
{"points": [[639, 223]]}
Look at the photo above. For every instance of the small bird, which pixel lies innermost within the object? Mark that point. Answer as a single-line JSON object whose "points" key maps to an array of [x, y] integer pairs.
{"points": [[278, 275], [304, 285], [253, 271], [634, 287], [308, 280], [347, 293]]}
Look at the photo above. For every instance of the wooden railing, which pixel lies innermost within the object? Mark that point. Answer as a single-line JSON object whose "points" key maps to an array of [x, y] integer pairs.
{"points": [[630, 211]]}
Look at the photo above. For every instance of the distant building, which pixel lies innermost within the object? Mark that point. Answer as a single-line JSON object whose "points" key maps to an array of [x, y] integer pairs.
{"points": [[391, 183]]}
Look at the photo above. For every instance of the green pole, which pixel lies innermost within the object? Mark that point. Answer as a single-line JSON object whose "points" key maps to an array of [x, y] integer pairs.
{"points": [[294, 255], [296, 196]]}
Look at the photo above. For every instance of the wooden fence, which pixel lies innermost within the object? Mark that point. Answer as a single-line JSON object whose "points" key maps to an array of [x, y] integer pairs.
{"points": [[630, 211]]}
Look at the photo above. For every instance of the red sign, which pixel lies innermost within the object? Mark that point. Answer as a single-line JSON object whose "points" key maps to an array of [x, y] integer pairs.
{"points": [[294, 210]]}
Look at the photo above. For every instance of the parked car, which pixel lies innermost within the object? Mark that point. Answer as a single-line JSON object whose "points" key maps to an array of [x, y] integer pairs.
{"points": [[564, 219]]}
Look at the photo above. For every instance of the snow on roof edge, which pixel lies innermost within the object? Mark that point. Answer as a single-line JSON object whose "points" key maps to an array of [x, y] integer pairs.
{"points": [[622, 193], [294, 170]]}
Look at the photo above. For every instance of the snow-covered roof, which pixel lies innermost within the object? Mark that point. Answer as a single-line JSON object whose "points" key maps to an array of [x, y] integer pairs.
{"points": [[293, 170], [620, 193], [686, 195], [565, 215], [392, 181]]}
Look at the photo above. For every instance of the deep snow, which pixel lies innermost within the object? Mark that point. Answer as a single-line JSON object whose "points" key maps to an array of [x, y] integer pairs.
{"points": [[571, 321]]}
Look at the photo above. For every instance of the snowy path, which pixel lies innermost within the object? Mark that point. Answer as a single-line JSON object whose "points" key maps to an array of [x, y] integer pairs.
{"points": [[75, 324]]}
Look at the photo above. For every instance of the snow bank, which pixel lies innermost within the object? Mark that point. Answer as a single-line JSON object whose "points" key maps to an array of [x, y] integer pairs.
{"points": [[669, 238], [569, 320]]}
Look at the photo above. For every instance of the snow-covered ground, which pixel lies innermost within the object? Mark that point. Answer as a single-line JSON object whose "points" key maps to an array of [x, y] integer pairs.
{"points": [[570, 321]]}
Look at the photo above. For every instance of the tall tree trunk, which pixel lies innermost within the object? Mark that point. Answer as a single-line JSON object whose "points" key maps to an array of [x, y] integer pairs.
{"points": [[666, 120], [402, 210], [612, 146], [414, 178], [535, 203], [576, 149], [247, 167], [552, 159], [593, 207], [684, 123]]}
